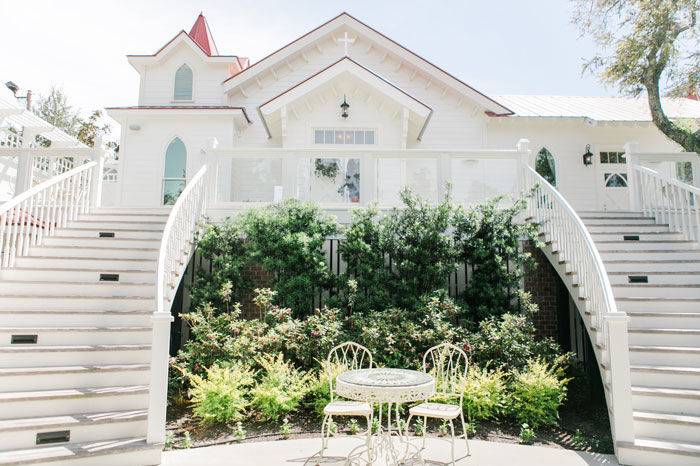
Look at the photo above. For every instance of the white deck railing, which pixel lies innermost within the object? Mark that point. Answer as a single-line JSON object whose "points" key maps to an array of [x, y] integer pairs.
{"points": [[574, 246], [176, 246], [28, 218], [668, 201]]}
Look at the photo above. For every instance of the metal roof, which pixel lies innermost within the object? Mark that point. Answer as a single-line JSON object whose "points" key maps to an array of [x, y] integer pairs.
{"points": [[596, 108]]}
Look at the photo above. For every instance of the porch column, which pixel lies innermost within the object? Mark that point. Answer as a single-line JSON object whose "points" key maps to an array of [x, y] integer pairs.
{"points": [[98, 155], [25, 164]]}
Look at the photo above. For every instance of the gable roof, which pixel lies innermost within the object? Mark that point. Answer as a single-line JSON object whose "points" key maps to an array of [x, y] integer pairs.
{"points": [[630, 109], [347, 65], [346, 19], [201, 35]]}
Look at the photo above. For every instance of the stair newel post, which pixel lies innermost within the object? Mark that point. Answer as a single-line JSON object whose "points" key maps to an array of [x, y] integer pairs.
{"points": [[631, 150], [96, 179], [620, 378], [158, 391]]}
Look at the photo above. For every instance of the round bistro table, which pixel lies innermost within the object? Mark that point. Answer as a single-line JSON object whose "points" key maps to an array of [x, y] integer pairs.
{"points": [[386, 386]]}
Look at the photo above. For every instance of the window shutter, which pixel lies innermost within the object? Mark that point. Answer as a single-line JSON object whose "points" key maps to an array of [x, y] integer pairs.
{"points": [[183, 83]]}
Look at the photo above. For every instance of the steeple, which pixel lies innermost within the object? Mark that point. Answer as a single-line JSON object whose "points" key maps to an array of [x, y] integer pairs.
{"points": [[201, 34]]}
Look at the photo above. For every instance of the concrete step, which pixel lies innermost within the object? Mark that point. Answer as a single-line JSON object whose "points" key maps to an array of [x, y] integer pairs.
{"points": [[76, 274], [72, 262], [14, 405], [65, 377], [676, 400], [650, 254], [628, 229], [661, 319], [163, 210], [84, 335], [654, 452], [659, 235], [649, 375], [55, 355], [651, 245], [658, 304], [109, 226], [667, 426], [22, 433], [66, 301], [618, 221], [73, 317], [665, 355], [647, 290], [155, 217], [112, 452], [610, 213], [96, 288], [94, 252], [94, 232], [665, 337], [655, 278], [640, 265], [116, 243]]}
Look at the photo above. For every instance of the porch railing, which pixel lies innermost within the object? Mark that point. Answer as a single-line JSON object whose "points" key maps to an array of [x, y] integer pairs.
{"points": [[176, 246], [573, 245], [35, 214], [668, 201]]}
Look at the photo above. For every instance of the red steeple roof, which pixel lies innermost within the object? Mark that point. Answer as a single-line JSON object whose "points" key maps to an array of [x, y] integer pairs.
{"points": [[202, 36]]}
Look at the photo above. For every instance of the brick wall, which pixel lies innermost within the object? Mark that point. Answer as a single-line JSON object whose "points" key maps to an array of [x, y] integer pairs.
{"points": [[259, 278], [545, 286]]}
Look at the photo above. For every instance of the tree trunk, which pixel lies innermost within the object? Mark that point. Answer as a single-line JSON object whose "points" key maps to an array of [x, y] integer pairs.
{"points": [[685, 138]]}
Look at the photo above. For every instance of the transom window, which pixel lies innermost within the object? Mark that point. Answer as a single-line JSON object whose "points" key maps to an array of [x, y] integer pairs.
{"points": [[612, 157], [344, 136]]}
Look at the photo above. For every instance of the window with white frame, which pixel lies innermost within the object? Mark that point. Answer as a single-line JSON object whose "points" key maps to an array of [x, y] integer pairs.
{"points": [[612, 157], [329, 180], [344, 136]]}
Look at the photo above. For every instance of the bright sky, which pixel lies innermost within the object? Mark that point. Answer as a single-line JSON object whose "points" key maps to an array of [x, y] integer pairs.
{"points": [[498, 46]]}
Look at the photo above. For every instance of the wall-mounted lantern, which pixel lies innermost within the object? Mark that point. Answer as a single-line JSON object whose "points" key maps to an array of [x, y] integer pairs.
{"points": [[588, 156], [344, 107]]}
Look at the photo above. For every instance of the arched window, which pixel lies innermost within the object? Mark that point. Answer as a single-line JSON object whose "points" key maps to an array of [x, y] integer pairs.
{"points": [[545, 166], [175, 171], [183, 83]]}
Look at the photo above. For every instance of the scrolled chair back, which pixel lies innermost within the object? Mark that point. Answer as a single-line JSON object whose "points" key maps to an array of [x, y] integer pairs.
{"points": [[448, 364], [346, 356]]}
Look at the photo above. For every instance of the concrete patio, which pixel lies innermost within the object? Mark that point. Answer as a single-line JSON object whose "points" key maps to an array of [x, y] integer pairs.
{"points": [[302, 451]]}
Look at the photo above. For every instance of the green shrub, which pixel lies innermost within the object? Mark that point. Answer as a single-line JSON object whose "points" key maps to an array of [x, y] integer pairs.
{"points": [[527, 434], [318, 394], [484, 393], [287, 239], [280, 389], [537, 392], [510, 341], [220, 397]]}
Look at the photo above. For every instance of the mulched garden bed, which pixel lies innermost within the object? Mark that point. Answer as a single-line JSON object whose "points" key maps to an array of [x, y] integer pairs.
{"points": [[584, 430]]}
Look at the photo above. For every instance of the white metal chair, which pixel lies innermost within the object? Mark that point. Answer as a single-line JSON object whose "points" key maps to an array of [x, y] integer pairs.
{"points": [[349, 356], [448, 364]]}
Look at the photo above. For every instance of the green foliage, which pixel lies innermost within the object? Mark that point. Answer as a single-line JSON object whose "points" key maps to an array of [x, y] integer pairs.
{"points": [[470, 429], [397, 338], [318, 394], [489, 236], [419, 426], [527, 434], [186, 441], [56, 109], [223, 245], [239, 432], [353, 427], [484, 393], [280, 388], [169, 441], [537, 393], [510, 341], [287, 239], [285, 428], [443, 428], [220, 398]]}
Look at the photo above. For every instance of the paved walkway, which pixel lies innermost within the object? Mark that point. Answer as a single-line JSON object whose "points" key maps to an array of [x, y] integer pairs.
{"points": [[301, 451]]}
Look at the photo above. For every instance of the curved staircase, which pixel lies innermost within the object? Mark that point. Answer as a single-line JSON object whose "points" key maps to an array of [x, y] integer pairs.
{"points": [[655, 277], [75, 343]]}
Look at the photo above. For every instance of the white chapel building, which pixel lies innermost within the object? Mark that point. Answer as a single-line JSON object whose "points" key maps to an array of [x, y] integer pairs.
{"points": [[93, 251]]}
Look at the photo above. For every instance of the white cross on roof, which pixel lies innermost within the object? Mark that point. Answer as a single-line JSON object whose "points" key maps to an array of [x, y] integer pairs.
{"points": [[346, 40]]}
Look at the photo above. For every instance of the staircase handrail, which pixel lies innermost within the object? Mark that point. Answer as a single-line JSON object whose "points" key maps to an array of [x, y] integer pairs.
{"points": [[29, 217], [178, 236], [668, 200], [176, 245], [574, 245]]}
